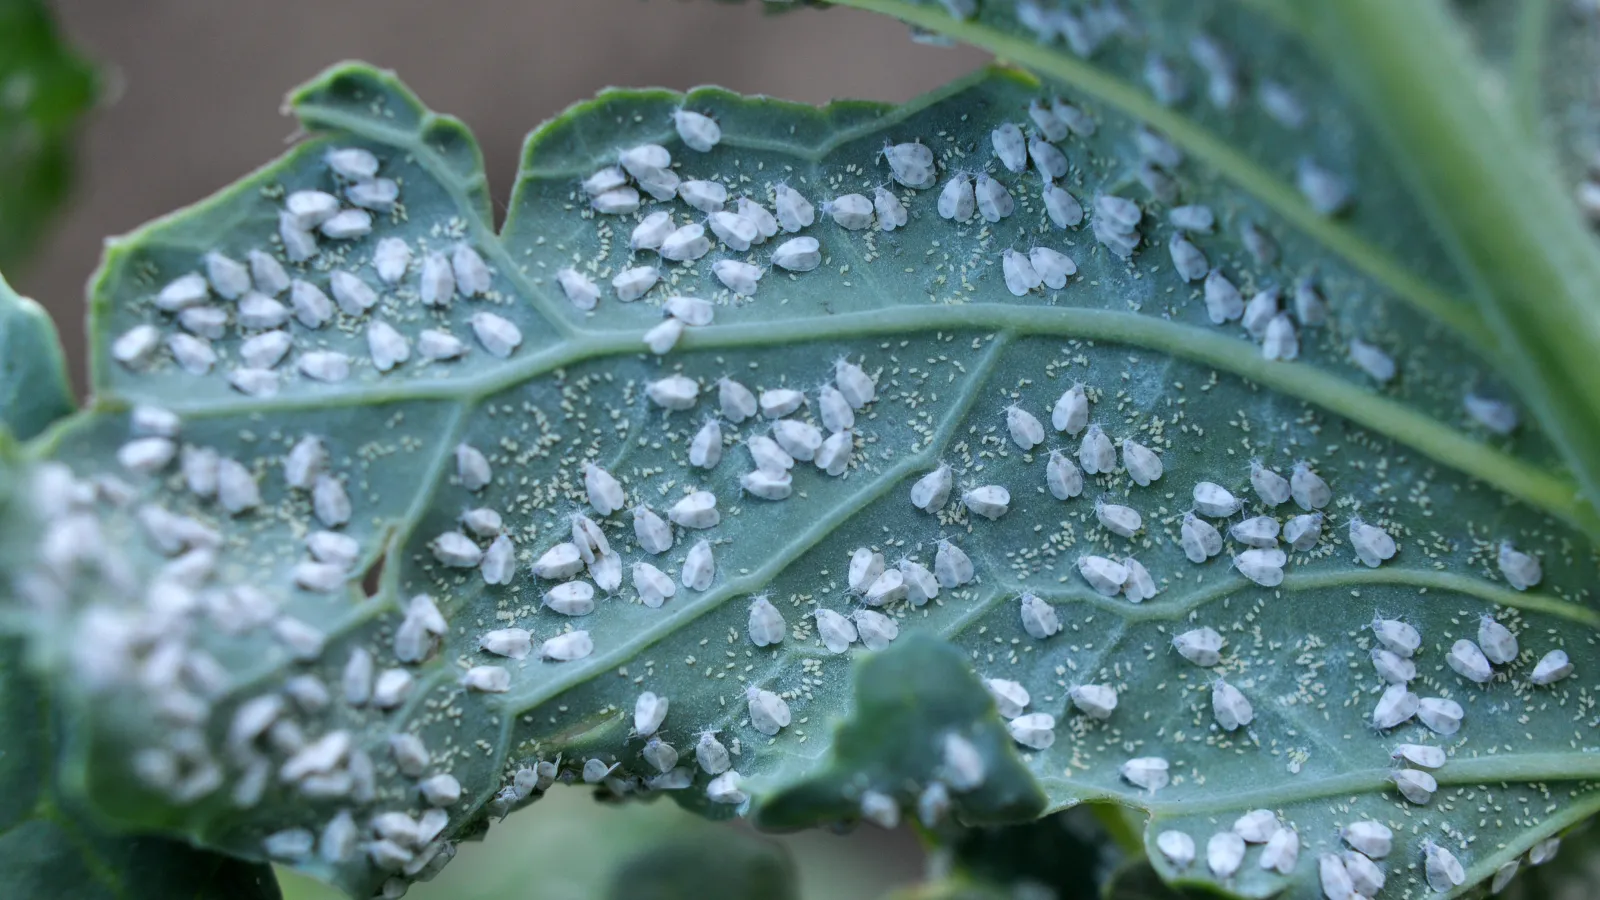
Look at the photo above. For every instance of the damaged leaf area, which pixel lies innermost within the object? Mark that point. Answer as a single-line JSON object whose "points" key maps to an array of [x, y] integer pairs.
{"points": [[965, 460]]}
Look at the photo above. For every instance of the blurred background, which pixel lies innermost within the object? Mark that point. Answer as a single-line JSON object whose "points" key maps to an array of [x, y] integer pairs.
{"points": [[193, 103], [195, 86]]}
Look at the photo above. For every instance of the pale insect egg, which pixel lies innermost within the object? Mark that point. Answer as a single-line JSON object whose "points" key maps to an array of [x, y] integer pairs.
{"points": [[1230, 707], [1120, 520], [1140, 586], [686, 244], [1260, 311], [1010, 147], [1214, 500], [631, 284], [312, 308], [798, 255], [1063, 209], [1187, 259], [1097, 701], [1071, 411], [930, 492], [1520, 570], [573, 645], [1147, 772], [794, 211], [740, 277], [1201, 646], [1257, 531], [651, 531], [951, 566], [911, 164], [1441, 716], [1096, 454], [1020, 275], [957, 201], [1047, 158], [1036, 731], [1062, 476], [767, 484], [1469, 662], [1106, 576], [674, 392], [1142, 463], [734, 230], [1392, 667], [699, 567], [1223, 301], [990, 501], [1039, 618], [1177, 847], [1498, 643], [1282, 852]]}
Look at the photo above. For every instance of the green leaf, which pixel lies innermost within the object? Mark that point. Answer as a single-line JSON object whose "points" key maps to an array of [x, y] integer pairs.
{"points": [[34, 390], [926, 312], [44, 89]]}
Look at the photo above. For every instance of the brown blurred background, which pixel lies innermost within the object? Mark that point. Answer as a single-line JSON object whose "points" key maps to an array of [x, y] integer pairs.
{"points": [[198, 83], [197, 87]]}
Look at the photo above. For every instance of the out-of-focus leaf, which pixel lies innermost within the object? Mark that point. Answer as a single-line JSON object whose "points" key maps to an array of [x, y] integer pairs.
{"points": [[34, 390]]}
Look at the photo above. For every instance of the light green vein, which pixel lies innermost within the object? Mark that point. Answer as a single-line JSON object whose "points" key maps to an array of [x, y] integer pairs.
{"points": [[1276, 193]]}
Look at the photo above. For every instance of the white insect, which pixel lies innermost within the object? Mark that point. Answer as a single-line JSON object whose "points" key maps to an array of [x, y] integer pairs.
{"points": [[837, 631], [1259, 311], [1117, 214], [1198, 219], [740, 277], [951, 566], [1052, 266], [1187, 259], [1416, 786], [1263, 566], [497, 335], [911, 164], [1423, 755], [1521, 570], [655, 587], [849, 211], [891, 212], [1010, 697], [1372, 839], [1372, 360], [1062, 476], [921, 585], [1223, 301], [675, 392], [1496, 415], [1036, 731], [387, 346], [1124, 521], [651, 531], [835, 411], [1372, 544], [1498, 643], [1214, 500], [1444, 871], [1039, 618], [766, 623], [573, 645], [1280, 340], [994, 202], [1309, 307], [437, 345], [757, 215], [1469, 662], [1141, 463], [1230, 707], [1177, 847], [705, 449], [725, 789], [1048, 123], [1392, 667], [1020, 275], [1010, 147], [854, 383], [1148, 772], [768, 455], [514, 643], [886, 588], [800, 440], [866, 566], [794, 211], [649, 711], [963, 765], [1395, 705], [471, 273], [1140, 586], [686, 244], [697, 130], [801, 254], [876, 629], [488, 680], [706, 196], [1551, 668], [1257, 826], [631, 284], [662, 338], [1096, 454], [711, 755], [1272, 488], [1201, 646], [1097, 701], [1334, 878], [1224, 854], [1256, 531], [1282, 851], [571, 598], [192, 354], [957, 201], [1047, 158], [1439, 715], [1025, 428], [1063, 209], [604, 491], [1106, 576], [769, 714], [1327, 193], [699, 568], [990, 501]]}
